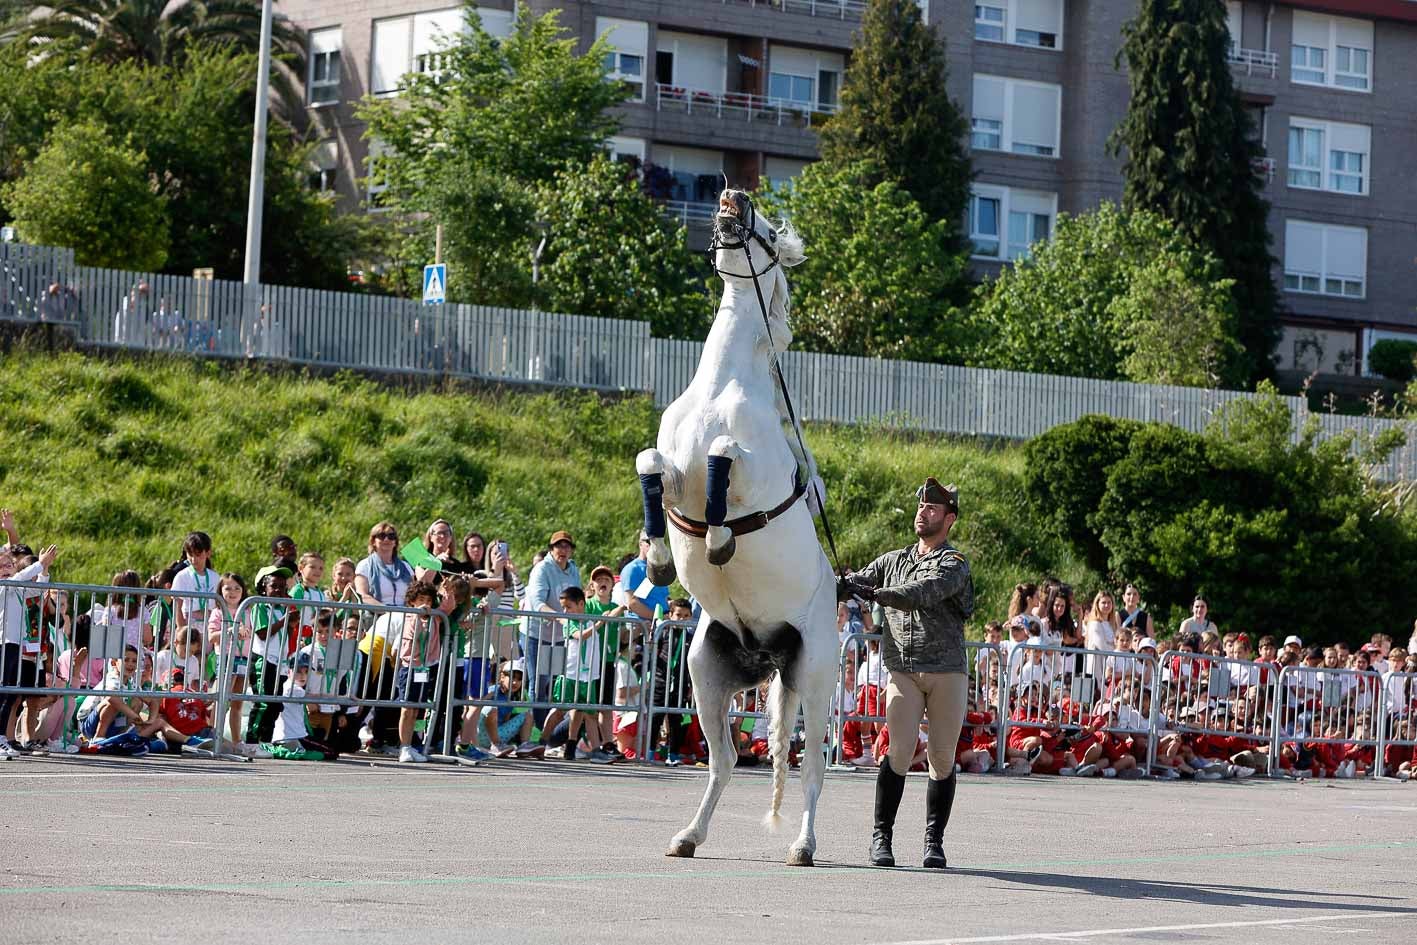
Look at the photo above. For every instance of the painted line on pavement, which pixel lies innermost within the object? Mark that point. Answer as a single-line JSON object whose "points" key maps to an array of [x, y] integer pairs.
{"points": [[1144, 930]]}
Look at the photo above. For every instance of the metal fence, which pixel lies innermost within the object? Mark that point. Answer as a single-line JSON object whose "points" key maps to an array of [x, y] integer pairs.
{"points": [[155, 312]]}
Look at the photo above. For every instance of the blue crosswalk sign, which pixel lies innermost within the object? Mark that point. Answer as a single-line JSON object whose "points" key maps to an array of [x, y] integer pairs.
{"points": [[435, 284]]}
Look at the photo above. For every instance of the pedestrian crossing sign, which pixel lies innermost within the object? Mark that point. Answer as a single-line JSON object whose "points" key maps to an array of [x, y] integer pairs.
{"points": [[435, 284]]}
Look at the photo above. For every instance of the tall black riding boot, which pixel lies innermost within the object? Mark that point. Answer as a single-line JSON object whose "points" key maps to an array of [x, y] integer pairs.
{"points": [[939, 798], [889, 788]]}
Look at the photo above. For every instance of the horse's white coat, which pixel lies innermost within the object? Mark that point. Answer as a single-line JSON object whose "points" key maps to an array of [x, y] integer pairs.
{"points": [[778, 575]]}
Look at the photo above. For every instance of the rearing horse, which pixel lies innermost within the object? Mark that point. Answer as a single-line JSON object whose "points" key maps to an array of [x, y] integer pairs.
{"points": [[741, 494]]}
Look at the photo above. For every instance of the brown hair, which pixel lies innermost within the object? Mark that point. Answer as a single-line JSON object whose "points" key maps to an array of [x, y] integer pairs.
{"points": [[381, 527]]}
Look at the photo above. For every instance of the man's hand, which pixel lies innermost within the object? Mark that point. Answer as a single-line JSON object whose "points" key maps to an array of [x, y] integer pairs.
{"points": [[855, 586]]}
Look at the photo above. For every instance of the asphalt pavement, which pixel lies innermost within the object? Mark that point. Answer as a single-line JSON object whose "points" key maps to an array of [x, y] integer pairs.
{"points": [[184, 850]]}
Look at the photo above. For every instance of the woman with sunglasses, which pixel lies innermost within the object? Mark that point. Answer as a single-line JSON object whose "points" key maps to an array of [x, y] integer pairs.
{"points": [[383, 577]]}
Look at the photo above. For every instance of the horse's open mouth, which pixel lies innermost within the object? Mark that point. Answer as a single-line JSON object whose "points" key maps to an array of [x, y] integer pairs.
{"points": [[733, 212]]}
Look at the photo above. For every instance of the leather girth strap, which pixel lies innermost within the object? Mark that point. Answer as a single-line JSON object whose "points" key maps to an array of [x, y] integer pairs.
{"points": [[738, 526]]}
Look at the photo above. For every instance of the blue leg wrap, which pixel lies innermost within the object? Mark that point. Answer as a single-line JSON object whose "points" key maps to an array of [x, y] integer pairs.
{"points": [[652, 489], [717, 508]]}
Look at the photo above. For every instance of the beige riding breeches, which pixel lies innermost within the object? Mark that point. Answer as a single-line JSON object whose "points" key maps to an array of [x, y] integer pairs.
{"points": [[942, 697]]}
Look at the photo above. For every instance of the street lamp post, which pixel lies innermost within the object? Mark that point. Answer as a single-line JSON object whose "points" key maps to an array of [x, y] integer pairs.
{"points": [[256, 202]]}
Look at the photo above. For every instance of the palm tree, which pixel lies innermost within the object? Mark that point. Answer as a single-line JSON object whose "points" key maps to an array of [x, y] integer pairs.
{"points": [[159, 32]]}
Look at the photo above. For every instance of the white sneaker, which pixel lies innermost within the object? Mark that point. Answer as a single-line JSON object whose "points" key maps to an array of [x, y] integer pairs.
{"points": [[256, 751], [1346, 770], [1209, 774], [57, 746], [1404, 776], [366, 736], [1087, 770], [1066, 772], [1109, 772], [410, 755], [1242, 771], [7, 751]]}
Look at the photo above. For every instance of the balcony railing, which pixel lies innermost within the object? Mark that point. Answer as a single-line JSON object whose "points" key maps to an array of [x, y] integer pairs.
{"points": [[687, 212], [743, 105], [835, 9], [1254, 61], [1264, 168]]}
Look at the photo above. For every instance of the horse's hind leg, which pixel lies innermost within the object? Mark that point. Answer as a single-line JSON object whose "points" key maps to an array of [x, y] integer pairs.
{"points": [[713, 692], [720, 542], [660, 486], [816, 680]]}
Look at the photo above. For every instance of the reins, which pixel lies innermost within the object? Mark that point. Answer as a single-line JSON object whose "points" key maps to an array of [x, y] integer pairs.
{"points": [[746, 238]]}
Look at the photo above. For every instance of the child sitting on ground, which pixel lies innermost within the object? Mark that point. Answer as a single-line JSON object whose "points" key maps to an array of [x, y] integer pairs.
{"points": [[291, 740], [506, 722]]}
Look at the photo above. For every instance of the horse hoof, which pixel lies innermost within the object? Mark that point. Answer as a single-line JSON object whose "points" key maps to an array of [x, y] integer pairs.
{"points": [[684, 848], [661, 575], [718, 557], [799, 858]]}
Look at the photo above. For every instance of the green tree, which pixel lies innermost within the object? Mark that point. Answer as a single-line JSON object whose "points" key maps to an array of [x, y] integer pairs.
{"points": [[1275, 532], [897, 117], [612, 252], [88, 192], [469, 146], [1176, 328], [1095, 300], [879, 270], [193, 121], [1189, 151], [162, 33]]}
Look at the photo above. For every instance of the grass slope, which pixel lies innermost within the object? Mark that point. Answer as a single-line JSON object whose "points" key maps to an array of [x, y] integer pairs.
{"points": [[115, 460]]}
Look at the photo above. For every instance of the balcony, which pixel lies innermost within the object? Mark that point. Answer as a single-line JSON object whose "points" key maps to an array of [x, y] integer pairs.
{"points": [[744, 105], [687, 212], [1264, 168], [1254, 62], [834, 9]]}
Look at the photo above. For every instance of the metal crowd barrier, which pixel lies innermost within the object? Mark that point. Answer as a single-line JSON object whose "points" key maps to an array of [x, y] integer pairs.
{"points": [[72, 656], [1323, 706], [501, 634], [1397, 725], [1229, 701], [1050, 689], [353, 671], [983, 663]]}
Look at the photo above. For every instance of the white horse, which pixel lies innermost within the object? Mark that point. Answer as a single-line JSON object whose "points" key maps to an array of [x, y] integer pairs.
{"points": [[746, 546]]}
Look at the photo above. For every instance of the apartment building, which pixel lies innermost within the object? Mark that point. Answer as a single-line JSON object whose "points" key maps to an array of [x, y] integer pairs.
{"points": [[737, 89]]}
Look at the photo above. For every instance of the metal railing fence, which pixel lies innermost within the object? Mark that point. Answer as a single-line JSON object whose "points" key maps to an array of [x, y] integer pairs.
{"points": [[1397, 736], [1319, 709]]}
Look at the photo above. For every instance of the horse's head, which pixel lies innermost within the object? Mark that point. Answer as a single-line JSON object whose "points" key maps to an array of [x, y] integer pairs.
{"points": [[747, 246]]}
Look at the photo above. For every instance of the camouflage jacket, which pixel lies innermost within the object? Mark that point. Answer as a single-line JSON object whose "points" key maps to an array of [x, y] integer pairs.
{"points": [[927, 600]]}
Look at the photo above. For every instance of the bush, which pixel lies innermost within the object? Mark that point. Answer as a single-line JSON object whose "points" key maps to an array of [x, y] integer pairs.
{"points": [[1279, 536], [1065, 477], [1393, 359]]}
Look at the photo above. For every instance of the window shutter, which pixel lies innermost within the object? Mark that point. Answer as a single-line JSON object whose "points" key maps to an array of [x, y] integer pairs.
{"points": [[1035, 115], [1347, 252], [390, 54], [988, 98], [1303, 246], [1310, 30]]}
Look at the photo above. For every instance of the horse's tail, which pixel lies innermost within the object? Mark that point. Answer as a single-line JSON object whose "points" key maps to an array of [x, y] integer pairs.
{"points": [[782, 713]]}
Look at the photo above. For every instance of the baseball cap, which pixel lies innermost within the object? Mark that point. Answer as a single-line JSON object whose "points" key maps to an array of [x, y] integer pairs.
{"points": [[1294, 640], [518, 665], [1146, 642], [302, 661], [602, 569], [562, 536], [270, 569]]}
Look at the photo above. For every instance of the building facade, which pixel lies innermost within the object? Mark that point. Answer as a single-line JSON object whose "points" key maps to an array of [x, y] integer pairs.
{"points": [[736, 89]]}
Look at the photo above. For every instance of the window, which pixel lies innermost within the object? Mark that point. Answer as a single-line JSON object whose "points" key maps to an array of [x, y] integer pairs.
{"points": [[1014, 115], [1323, 259], [406, 44], [698, 63], [629, 45], [664, 67], [780, 171], [324, 161], [376, 183], [1004, 222], [323, 84], [989, 22], [805, 77], [696, 172], [1021, 22], [1328, 155], [1331, 50], [626, 150], [1234, 20]]}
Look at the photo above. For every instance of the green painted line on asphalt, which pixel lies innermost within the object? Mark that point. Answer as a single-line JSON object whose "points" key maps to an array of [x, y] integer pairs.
{"points": [[277, 784], [1032, 866]]}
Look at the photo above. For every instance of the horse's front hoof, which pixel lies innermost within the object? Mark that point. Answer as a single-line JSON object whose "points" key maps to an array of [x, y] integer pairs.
{"points": [[684, 848], [797, 857], [661, 575], [723, 554]]}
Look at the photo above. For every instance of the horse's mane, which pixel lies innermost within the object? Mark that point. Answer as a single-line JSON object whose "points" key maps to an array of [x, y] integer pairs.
{"points": [[789, 245]]}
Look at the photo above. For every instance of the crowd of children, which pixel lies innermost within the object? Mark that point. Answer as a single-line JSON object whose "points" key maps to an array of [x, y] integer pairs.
{"points": [[366, 656]]}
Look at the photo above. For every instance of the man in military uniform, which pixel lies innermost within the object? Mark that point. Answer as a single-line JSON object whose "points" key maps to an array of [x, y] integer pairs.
{"points": [[927, 594]]}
